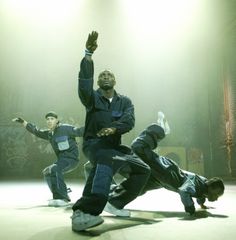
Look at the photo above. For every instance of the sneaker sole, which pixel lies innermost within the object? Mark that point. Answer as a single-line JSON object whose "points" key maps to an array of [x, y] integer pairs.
{"points": [[81, 227]]}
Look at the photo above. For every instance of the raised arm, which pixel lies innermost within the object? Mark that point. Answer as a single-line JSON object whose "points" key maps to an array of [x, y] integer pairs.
{"points": [[86, 73]]}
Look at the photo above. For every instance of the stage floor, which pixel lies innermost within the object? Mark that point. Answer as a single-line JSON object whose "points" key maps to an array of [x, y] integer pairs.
{"points": [[158, 214]]}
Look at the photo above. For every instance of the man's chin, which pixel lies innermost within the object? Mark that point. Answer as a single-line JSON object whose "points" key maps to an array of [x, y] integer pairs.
{"points": [[106, 87]]}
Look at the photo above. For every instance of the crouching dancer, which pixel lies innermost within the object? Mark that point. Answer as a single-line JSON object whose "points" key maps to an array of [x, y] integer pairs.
{"points": [[62, 139]]}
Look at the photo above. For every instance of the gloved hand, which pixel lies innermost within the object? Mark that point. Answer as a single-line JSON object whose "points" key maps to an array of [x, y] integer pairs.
{"points": [[190, 209], [91, 43], [19, 120]]}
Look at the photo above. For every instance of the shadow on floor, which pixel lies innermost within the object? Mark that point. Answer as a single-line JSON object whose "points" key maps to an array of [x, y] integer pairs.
{"points": [[181, 215], [66, 208], [111, 223], [202, 214]]}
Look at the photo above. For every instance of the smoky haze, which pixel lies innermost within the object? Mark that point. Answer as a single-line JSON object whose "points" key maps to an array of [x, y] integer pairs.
{"points": [[165, 56]]}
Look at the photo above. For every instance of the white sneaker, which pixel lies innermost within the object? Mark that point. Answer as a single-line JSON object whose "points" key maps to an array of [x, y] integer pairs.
{"points": [[82, 221], [162, 122], [115, 211], [58, 203]]}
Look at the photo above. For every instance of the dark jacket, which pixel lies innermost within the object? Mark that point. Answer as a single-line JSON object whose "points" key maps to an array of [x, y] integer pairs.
{"points": [[166, 171], [100, 112], [62, 139]]}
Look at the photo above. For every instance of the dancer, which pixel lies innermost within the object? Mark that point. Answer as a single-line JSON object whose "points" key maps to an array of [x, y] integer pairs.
{"points": [[62, 138], [109, 115], [167, 174]]}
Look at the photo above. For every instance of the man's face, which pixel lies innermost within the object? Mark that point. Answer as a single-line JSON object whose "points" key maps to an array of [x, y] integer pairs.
{"points": [[106, 80], [213, 194], [51, 122]]}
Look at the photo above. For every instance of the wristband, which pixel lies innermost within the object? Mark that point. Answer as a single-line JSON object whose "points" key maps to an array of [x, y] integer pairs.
{"points": [[87, 52]]}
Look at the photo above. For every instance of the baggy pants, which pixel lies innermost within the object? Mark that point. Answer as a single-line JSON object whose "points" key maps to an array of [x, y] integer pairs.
{"points": [[106, 160]]}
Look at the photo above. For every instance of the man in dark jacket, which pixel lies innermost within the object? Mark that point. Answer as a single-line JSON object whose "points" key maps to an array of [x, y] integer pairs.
{"points": [[62, 139], [166, 173], [109, 115]]}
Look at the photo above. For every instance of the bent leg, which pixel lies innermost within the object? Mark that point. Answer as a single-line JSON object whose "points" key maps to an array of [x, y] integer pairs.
{"points": [[97, 188], [131, 187], [54, 176]]}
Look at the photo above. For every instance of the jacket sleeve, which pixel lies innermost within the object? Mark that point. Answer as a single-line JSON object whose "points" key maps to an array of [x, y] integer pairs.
{"points": [[127, 120], [36, 131], [85, 83], [186, 191], [75, 131]]}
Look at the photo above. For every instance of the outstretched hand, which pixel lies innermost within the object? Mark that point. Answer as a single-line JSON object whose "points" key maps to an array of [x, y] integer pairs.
{"points": [[91, 43], [18, 119]]}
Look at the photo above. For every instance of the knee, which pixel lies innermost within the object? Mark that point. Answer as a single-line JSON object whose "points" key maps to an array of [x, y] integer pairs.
{"points": [[50, 170]]}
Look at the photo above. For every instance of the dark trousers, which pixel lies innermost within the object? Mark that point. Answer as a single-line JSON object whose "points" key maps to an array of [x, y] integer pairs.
{"points": [[106, 160], [54, 176]]}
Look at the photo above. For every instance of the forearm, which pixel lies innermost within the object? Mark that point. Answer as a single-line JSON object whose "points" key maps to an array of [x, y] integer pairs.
{"points": [[85, 83], [37, 132], [31, 128], [187, 202], [126, 122], [86, 68], [122, 127]]}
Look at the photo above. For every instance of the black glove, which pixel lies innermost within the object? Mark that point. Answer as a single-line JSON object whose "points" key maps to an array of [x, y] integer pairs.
{"points": [[91, 43], [190, 209], [19, 120]]}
